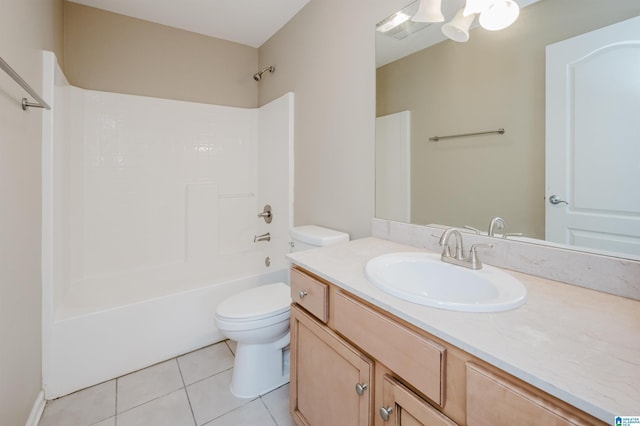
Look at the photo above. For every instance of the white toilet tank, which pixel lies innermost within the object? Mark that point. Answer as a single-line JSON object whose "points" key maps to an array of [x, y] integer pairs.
{"points": [[312, 236]]}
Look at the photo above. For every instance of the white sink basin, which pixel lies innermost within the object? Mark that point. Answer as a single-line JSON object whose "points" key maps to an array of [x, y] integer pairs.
{"points": [[424, 279]]}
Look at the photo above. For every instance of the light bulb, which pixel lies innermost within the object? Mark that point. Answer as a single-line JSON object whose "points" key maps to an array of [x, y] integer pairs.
{"points": [[476, 6], [499, 15]]}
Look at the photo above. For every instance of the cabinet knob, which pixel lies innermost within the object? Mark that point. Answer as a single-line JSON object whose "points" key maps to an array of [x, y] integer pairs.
{"points": [[302, 294], [385, 413], [360, 388]]}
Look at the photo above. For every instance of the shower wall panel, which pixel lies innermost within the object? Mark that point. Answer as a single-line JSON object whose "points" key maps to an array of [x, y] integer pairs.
{"points": [[275, 171], [160, 183]]}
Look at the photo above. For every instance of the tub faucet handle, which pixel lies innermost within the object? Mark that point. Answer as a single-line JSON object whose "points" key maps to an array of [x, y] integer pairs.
{"points": [[266, 213]]}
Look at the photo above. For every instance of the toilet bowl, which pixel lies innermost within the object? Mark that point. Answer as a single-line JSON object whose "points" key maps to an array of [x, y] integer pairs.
{"points": [[258, 320]]}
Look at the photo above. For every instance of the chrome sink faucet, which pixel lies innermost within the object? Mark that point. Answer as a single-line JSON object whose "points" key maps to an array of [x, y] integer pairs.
{"points": [[444, 243], [471, 261], [496, 223]]}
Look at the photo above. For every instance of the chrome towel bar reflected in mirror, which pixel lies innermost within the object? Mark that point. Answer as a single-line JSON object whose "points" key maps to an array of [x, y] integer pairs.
{"points": [[500, 131]]}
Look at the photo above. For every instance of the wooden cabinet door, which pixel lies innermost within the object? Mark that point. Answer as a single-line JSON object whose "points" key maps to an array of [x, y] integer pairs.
{"points": [[324, 373], [402, 407], [493, 400]]}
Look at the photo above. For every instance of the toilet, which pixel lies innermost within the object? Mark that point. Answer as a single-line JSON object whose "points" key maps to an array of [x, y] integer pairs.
{"points": [[258, 320]]}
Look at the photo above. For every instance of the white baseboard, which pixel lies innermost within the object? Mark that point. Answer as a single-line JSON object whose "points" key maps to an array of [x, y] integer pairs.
{"points": [[36, 410]]}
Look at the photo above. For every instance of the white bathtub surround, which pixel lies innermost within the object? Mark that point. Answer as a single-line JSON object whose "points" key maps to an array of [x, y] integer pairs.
{"points": [[614, 275], [577, 344], [149, 214]]}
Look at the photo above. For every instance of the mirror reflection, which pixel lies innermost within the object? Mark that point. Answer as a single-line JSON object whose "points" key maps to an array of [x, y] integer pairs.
{"points": [[496, 80]]}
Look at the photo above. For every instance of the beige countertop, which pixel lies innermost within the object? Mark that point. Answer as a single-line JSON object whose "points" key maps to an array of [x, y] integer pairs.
{"points": [[580, 345]]}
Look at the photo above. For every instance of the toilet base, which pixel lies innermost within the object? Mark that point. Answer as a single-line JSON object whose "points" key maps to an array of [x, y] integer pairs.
{"points": [[260, 368]]}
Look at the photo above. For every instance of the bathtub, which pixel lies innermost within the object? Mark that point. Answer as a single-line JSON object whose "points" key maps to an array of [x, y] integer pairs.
{"points": [[90, 347], [149, 216]]}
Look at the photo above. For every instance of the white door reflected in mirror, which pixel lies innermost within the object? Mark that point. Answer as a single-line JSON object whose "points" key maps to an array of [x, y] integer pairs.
{"points": [[592, 145]]}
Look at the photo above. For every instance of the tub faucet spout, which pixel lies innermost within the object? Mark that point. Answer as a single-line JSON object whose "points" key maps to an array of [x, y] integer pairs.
{"points": [[263, 237]]}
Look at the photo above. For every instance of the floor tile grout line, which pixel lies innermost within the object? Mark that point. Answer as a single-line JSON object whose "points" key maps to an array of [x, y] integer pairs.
{"points": [[175, 390], [151, 400], [231, 411], [268, 410], [157, 397], [115, 421], [99, 421], [208, 377], [193, 415], [226, 342]]}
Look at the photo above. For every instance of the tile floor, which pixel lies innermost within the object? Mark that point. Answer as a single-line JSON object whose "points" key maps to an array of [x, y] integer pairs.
{"points": [[190, 390]]}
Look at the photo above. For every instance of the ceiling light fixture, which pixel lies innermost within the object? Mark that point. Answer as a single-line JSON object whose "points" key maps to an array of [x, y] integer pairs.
{"points": [[494, 15], [458, 28], [429, 11]]}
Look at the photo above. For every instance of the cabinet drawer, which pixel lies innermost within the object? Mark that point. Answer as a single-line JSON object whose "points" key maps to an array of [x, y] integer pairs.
{"points": [[311, 294], [403, 407], [493, 400], [412, 357]]}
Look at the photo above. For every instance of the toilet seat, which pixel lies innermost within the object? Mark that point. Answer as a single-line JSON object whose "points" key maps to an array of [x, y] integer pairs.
{"points": [[265, 304]]}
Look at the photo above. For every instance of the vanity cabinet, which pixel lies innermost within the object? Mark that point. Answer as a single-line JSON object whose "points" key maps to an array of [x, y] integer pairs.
{"points": [[330, 379], [353, 363]]}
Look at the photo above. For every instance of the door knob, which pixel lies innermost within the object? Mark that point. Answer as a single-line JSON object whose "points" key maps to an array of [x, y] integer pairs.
{"points": [[360, 388], [555, 200], [385, 413]]}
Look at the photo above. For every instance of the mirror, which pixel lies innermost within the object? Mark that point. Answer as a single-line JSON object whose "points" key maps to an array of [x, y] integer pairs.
{"points": [[495, 80]]}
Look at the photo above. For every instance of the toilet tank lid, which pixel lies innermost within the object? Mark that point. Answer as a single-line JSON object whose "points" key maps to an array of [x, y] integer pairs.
{"points": [[256, 303], [317, 235]]}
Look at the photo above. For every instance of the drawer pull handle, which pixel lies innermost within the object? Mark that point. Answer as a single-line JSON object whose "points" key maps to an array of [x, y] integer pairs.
{"points": [[385, 413], [360, 388], [302, 294]]}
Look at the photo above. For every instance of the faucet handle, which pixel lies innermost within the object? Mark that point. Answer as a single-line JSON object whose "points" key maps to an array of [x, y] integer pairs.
{"points": [[475, 247], [471, 228], [512, 234], [473, 255]]}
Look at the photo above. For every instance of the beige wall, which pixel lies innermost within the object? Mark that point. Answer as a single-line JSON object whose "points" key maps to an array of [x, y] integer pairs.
{"points": [[26, 27], [114, 53], [325, 55], [494, 80]]}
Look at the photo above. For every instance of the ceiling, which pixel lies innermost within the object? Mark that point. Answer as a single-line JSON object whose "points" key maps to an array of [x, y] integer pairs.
{"points": [[253, 22], [249, 22]]}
